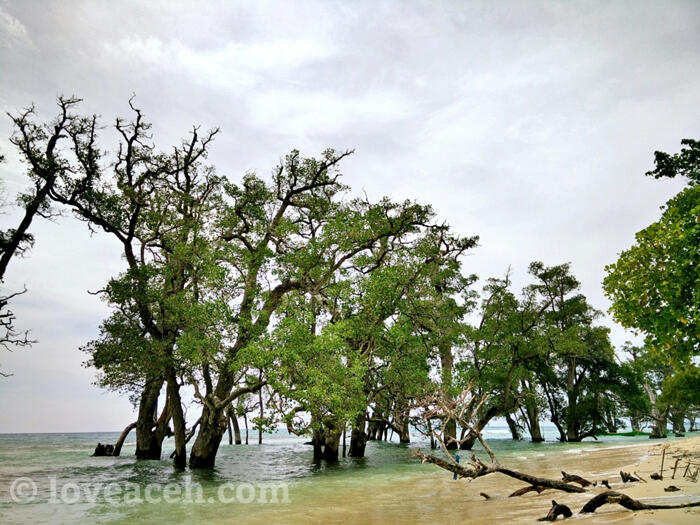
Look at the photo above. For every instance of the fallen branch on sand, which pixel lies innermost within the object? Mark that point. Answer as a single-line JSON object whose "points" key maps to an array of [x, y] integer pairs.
{"points": [[463, 410], [477, 469]]}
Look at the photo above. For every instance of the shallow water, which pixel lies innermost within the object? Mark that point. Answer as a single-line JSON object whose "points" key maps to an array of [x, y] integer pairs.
{"points": [[65, 485]]}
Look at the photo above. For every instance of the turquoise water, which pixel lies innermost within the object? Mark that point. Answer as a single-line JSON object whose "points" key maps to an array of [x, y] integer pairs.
{"points": [[64, 484]]}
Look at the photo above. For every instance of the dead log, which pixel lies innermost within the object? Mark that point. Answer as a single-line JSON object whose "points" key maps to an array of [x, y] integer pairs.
{"points": [[556, 511], [525, 490], [627, 477], [624, 500], [573, 478], [481, 470], [540, 482], [484, 495]]}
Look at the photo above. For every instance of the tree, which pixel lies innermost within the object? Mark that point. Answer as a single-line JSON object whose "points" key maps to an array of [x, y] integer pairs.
{"points": [[44, 168], [156, 207], [654, 286], [289, 236]]}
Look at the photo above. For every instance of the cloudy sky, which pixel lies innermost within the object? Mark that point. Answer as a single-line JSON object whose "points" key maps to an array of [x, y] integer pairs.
{"points": [[528, 123]]}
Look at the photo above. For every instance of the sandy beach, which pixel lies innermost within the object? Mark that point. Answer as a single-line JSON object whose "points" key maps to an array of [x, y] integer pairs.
{"points": [[596, 465], [649, 462]]}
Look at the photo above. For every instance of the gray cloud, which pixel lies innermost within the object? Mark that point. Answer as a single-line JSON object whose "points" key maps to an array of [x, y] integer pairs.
{"points": [[527, 123]]}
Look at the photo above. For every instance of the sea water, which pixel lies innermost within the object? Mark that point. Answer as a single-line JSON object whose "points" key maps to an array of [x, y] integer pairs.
{"points": [[52, 478]]}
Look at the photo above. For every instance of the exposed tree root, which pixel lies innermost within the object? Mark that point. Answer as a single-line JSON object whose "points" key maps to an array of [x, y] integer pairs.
{"points": [[120, 442]]}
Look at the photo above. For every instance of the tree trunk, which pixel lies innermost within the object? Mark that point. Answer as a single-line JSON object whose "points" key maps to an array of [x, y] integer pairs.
{"points": [[572, 422], [148, 444], [179, 426], [211, 430], [230, 430], [213, 425], [447, 362], [245, 421], [554, 412], [402, 422], [513, 427], [331, 443], [318, 440], [635, 424], [678, 420], [659, 416], [236, 428], [404, 434], [533, 420], [260, 424], [358, 437], [480, 424]]}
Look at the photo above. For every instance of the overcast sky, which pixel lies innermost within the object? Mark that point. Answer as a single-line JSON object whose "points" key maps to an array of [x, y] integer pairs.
{"points": [[528, 123]]}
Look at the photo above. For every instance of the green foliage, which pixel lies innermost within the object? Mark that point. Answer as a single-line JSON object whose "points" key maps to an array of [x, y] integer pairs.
{"points": [[655, 285], [682, 389], [685, 164]]}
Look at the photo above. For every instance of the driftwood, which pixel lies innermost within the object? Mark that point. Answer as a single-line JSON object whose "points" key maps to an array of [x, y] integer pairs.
{"points": [[605, 483], [556, 511], [479, 469], [484, 495], [627, 477], [525, 490], [656, 476], [464, 409], [671, 488], [610, 496], [573, 478]]}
